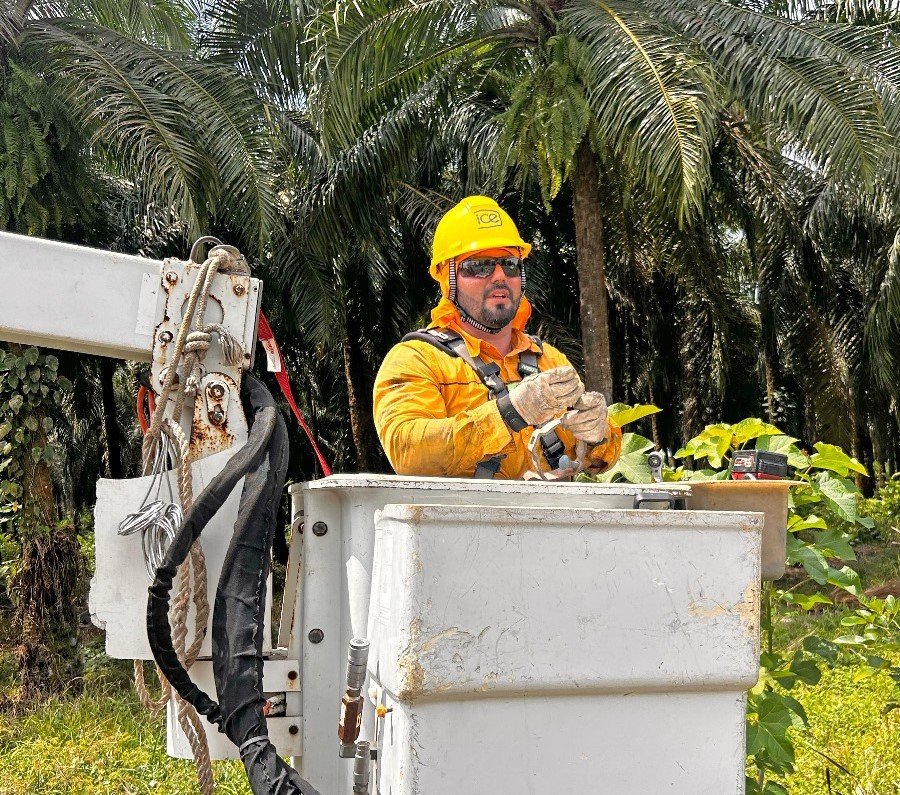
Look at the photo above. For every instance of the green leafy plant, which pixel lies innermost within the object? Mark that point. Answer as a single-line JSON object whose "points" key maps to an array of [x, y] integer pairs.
{"points": [[884, 510], [29, 387], [632, 463]]}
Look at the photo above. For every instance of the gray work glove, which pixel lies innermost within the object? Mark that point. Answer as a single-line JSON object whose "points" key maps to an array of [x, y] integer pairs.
{"points": [[587, 420], [543, 396]]}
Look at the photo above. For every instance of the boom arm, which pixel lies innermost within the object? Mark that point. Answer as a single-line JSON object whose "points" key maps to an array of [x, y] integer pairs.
{"points": [[99, 302], [77, 299], [86, 300]]}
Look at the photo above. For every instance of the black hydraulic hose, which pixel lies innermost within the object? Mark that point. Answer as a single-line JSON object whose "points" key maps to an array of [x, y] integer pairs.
{"points": [[159, 631], [237, 621], [238, 615]]}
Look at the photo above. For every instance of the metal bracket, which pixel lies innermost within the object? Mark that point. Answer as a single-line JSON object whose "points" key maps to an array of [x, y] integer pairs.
{"points": [[219, 419], [654, 497], [216, 421]]}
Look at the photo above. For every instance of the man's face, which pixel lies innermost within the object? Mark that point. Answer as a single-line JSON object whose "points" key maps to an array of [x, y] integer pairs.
{"points": [[492, 301]]}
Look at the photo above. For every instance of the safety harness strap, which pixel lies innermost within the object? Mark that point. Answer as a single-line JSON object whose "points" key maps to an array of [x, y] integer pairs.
{"points": [[489, 467], [488, 373]]}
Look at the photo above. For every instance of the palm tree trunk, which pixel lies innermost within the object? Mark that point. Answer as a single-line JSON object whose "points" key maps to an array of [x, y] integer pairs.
{"points": [[654, 425], [359, 398], [110, 424], [770, 391], [863, 450], [47, 583], [588, 214]]}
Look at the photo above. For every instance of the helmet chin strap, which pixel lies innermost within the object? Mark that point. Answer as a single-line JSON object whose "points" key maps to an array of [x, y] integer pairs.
{"points": [[462, 312], [475, 324]]}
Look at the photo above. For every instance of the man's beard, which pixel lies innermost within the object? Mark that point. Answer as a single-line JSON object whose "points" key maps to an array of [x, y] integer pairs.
{"points": [[493, 317]]}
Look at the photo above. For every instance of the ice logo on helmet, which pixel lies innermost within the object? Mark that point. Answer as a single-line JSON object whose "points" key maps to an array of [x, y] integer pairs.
{"points": [[488, 218]]}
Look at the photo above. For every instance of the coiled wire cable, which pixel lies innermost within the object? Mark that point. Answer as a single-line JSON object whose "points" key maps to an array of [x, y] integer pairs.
{"points": [[158, 521]]}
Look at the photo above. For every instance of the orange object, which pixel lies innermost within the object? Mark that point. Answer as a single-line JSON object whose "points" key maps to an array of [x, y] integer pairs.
{"points": [[146, 406], [351, 718]]}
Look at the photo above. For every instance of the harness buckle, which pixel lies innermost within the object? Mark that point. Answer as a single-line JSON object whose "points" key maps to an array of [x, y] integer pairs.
{"points": [[489, 373]]}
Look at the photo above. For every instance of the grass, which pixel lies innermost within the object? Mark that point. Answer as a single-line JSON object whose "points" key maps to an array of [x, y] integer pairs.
{"points": [[849, 745], [100, 743], [875, 564]]}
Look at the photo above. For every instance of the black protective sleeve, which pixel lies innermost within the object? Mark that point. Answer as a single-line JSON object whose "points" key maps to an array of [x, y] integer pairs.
{"points": [[159, 631]]}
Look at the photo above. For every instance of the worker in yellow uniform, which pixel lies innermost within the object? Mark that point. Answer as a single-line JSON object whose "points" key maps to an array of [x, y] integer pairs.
{"points": [[462, 397]]}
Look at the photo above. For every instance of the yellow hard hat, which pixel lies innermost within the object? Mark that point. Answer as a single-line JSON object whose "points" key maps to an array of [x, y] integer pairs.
{"points": [[475, 224]]}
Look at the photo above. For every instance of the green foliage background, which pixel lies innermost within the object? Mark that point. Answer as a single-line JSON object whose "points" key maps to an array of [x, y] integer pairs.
{"points": [[748, 197]]}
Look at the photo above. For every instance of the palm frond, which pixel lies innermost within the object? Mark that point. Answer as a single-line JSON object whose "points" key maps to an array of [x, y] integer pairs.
{"points": [[373, 52], [11, 20], [163, 22], [882, 325], [263, 39], [193, 131], [825, 83], [166, 23], [654, 99]]}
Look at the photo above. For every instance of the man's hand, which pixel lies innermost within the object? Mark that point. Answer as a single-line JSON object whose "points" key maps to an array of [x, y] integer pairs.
{"points": [[587, 420], [543, 396]]}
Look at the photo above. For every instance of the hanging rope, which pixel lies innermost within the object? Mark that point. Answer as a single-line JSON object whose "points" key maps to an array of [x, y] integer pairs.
{"points": [[185, 366]]}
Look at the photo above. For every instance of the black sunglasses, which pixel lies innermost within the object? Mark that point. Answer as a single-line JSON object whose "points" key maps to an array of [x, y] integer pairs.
{"points": [[483, 267]]}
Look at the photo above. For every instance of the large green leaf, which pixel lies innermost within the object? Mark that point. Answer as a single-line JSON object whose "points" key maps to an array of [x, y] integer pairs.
{"points": [[831, 457], [767, 731], [810, 557], [632, 464], [806, 601], [621, 413], [797, 524], [712, 443], [786, 445], [751, 428], [847, 579], [842, 496], [825, 649], [805, 670], [768, 788], [835, 544]]}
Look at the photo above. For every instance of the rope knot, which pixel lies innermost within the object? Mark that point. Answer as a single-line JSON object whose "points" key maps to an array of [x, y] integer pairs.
{"points": [[198, 342]]}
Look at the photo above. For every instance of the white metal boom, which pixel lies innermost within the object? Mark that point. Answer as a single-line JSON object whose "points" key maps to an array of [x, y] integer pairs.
{"points": [[77, 299]]}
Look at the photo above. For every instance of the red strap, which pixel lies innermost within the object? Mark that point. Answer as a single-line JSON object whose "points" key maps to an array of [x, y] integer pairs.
{"points": [[276, 365]]}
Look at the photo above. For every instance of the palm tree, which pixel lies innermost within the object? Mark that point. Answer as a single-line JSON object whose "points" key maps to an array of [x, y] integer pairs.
{"points": [[598, 88], [381, 131], [117, 91]]}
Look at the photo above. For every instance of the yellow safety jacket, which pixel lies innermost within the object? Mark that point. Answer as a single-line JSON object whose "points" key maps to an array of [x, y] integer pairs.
{"points": [[434, 416]]}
